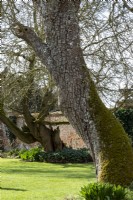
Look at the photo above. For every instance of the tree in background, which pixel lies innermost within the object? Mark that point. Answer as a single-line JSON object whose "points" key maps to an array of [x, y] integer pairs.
{"points": [[63, 56], [106, 39], [23, 91], [35, 128], [126, 118], [124, 111]]}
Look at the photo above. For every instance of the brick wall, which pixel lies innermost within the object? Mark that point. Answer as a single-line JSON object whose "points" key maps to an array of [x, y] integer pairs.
{"points": [[70, 137], [67, 132]]}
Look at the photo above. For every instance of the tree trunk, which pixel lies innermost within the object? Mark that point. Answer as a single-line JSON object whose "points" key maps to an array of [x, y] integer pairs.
{"points": [[49, 138], [79, 101]]}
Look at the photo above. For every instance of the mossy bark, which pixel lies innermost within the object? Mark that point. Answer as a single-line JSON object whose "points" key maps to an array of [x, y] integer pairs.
{"points": [[115, 152]]}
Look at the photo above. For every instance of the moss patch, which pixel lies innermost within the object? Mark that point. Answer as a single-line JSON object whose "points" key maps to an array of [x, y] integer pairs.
{"points": [[116, 153]]}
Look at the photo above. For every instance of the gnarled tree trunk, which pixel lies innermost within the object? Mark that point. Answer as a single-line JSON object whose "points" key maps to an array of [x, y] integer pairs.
{"points": [[79, 101], [35, 130]]}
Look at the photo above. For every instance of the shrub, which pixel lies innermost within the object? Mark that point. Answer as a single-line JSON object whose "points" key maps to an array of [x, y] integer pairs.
{"points": [[33, 154], [101, 191], [67, 155]]}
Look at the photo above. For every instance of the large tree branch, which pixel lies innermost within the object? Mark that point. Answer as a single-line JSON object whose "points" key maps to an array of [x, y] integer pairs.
{"points": [[25, 101], [25, 137], [30, 37]]}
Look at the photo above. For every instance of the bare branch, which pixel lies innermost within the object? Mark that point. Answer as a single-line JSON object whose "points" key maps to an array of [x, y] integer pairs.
{"points": [[125, 4]]}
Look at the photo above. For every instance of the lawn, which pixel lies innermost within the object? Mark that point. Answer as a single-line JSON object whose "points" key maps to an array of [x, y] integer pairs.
{"points": [[42, 181]]}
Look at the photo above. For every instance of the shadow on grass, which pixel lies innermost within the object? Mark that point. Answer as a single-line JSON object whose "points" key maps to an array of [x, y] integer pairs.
{"points": [[54, 173], [15, 189], [67, 170], [82, 165]]}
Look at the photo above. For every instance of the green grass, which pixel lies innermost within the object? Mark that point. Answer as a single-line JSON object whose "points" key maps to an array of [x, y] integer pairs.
{"points": [[42, 181]]}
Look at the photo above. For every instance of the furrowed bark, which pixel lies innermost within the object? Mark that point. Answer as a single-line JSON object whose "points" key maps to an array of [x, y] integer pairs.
{"points": [[79, 101]]}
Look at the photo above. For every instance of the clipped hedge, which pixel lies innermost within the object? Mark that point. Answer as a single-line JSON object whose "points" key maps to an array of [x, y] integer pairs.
{"points": [[67, 155]]}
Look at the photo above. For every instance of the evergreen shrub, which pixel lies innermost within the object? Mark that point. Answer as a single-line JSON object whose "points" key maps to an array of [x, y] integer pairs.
{"points": [[67, 155], [33, 154]]}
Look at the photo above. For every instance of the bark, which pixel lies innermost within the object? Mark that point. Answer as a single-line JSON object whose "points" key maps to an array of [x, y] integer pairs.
{"points": [[50, 139], [79, 101], [57, 143]]}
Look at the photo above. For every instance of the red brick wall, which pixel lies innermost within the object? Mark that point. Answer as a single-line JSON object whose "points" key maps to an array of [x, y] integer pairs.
{"points": [[70, 137]]}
